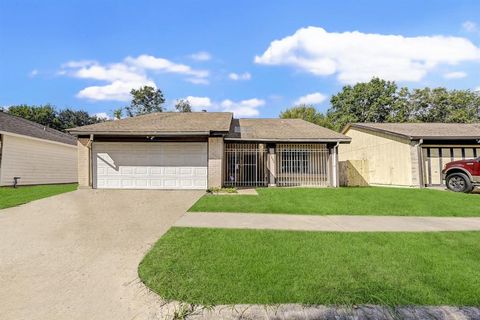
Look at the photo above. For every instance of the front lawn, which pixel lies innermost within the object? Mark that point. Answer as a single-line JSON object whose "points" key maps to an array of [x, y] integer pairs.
{"points": [[10, 197], [346, 201], [218, 266]]}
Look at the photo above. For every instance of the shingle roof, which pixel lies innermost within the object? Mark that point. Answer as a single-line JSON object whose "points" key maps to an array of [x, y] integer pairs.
{"points": [[162, 122], [433, 131], [17, 125], [281, 130]]}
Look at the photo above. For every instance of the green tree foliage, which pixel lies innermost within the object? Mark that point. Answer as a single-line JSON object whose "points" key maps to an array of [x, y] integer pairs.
{"points": [[183, 106], [383, 101], [43, 114], [307, 113], [47, 115], [145, 100], [117, 113]]}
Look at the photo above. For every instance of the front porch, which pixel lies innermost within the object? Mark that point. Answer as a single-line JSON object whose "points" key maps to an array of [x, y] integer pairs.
{"points": [[248, 164]]}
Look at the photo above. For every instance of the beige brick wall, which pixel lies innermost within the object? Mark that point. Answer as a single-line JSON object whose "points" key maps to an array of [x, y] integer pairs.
{"points": [[215, 162], [83, 163]]}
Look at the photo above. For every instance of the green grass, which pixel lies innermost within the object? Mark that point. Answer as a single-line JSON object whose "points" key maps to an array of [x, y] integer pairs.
{"points": [[219, 266], [10, 197], [346, 201]]}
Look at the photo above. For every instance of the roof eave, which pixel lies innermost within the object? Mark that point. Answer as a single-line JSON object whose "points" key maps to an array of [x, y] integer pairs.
{"points": [[143, 133], [341, 140]]}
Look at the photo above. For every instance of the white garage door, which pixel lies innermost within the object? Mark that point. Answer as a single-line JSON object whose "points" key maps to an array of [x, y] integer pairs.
{"points": [[161, 165]]}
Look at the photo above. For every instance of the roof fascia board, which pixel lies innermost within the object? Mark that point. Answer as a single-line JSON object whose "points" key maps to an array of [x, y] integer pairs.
{"points": [[37, 139], [381, 131], [143, 133], [346, 140]]}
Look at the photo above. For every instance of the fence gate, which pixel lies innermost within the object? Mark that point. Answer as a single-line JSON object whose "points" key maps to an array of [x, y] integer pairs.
{"points": [[245, 165], [302, 165]]}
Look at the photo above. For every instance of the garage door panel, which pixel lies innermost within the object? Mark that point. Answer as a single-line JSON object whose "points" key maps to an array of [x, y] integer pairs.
{"points": [[151, 165]]}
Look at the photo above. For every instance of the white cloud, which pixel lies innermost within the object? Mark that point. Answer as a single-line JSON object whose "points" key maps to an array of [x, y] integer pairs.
{"points": [[33, 73], [102, 115], [470, 26], [124, 76], [199, 103], [197, 80], [240, 76], [477, 88], [242, 108], [312, 98], [356, 56], [148, 62], [201, 56], [455, 75], [117, 90]]}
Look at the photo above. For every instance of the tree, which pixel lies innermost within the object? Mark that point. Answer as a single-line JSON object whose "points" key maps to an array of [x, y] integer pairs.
{"points": [[364, 102], [43, 114], [117, 113], [68, 118], [183, 106], [48, 116], [307, 113], [145, 100]]}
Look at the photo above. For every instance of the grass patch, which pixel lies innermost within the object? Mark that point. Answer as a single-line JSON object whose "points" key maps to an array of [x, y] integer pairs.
{"points": [[347, 201], [10, 197], [219, 266]]}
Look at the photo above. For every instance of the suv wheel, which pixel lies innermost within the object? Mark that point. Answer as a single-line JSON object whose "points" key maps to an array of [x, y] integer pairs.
{"points": [[459, 182]]}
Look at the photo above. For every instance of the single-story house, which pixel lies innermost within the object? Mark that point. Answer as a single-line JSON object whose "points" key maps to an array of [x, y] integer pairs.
{"points": [[405, 154], [201, 150], [34, 153]]}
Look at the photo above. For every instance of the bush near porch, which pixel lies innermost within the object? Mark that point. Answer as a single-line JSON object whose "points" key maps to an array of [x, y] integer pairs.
{"points": [[347, 201]]}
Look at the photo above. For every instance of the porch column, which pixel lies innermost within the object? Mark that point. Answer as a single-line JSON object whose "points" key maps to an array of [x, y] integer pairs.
{"points": [[272, 167], [215, 162], [333, 167]]}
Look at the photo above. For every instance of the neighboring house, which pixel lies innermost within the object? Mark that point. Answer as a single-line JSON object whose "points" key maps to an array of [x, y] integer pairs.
{"points": [[201, 150], [34, 153], [405, 154]]}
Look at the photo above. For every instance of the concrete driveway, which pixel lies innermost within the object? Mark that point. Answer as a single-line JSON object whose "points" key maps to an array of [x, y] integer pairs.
{"points": [[75, 256]]}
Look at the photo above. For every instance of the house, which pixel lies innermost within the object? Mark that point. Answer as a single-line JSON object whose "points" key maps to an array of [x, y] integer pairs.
{"points": [[405, 154], [201, 150], [34, 153]]}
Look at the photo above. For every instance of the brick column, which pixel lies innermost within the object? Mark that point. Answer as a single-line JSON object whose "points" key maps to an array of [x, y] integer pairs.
{"points": [[84, 166], [215, 162]]}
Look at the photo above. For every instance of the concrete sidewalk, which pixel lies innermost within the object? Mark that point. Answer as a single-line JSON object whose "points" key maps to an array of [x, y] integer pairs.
{"points": [[326, 223]]}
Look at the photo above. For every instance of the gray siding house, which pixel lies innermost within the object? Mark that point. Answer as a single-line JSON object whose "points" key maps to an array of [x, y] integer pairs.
{"points": [[35, 154]]}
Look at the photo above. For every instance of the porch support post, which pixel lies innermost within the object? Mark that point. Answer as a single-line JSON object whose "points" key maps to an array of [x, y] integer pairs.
{"points": [[333, 167], [272, 167]]}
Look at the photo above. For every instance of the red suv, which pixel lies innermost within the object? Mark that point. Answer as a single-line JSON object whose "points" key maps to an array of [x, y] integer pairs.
{"points": [[462, 175]]}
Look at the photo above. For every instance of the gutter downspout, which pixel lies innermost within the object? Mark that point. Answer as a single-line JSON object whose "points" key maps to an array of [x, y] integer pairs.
{"points": [[420, 163], [90, 161]]}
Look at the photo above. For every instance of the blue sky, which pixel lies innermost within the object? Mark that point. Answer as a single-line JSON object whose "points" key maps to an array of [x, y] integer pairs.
{"points": [[223, 55]]}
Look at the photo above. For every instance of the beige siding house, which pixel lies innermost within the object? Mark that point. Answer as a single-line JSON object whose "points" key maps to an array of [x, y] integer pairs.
{"points": [[201, 150], [35, 154], [404, 154]]}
